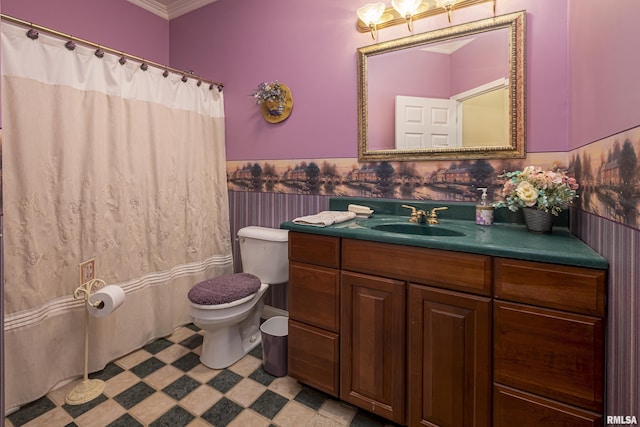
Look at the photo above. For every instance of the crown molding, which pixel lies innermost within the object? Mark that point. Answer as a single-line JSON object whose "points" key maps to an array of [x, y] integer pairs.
{"points": [[169, 9]]}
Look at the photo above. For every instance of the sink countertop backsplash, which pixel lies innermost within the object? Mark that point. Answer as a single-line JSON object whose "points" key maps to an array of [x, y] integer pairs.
{"points": [[457, 210]]}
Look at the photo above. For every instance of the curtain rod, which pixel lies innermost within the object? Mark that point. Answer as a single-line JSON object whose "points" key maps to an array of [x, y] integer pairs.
{"points": [[185, 74]]}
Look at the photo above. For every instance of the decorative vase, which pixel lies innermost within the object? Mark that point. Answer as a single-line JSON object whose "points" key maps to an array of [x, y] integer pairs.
{"points": [[538, 221]]}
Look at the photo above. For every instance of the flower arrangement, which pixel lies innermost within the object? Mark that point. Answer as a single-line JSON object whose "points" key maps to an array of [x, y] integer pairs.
{"points": [[271, 91], [532, 187]]}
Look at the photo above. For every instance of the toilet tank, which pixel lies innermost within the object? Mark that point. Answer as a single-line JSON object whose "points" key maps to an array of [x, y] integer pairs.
{"points": [[264, 253]]}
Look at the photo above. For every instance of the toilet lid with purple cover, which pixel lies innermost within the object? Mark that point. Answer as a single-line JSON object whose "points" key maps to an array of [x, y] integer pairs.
{"points": [[224, 289]]}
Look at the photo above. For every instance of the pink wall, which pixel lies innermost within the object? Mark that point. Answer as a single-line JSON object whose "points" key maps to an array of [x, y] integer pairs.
{"points": [[116, 24], [311, 46], [603, 69]]}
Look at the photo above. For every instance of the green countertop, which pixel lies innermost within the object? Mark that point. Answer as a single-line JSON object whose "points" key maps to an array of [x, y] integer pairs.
{"points": [[508, 240]]}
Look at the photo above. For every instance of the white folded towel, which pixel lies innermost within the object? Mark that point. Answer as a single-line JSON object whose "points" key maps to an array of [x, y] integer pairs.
{"points": [[325, 218]]}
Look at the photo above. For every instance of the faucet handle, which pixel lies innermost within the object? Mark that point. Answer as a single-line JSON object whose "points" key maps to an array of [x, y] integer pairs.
{"points": [[414, 213], [433, 218], [413, 210], [434, 210]]}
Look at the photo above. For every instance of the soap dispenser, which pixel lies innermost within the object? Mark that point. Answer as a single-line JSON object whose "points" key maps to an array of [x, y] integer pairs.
{"points": [[484, 210]]}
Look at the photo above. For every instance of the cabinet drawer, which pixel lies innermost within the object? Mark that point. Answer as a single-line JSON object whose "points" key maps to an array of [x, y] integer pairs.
{"points": [[314, 295], [551, 353], [581, 290], [313, 357], [446, 269], [512, 407], [314, 249]]}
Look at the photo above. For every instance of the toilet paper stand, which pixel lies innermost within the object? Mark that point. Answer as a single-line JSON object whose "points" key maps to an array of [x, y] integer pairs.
{"points": [[88, 389]]}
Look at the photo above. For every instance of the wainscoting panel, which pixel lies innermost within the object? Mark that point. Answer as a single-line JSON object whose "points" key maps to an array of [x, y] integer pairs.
{"points": [[269, 210], [620, 245]]}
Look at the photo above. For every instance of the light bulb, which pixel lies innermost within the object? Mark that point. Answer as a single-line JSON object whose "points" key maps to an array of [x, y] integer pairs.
{"points": [[370, 14], [406, 8]]}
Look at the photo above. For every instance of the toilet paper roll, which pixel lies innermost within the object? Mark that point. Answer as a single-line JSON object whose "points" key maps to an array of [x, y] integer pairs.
{"points": [[111, 296]]}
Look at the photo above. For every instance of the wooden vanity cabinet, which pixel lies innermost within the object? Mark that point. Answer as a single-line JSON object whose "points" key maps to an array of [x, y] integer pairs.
{"points": [[427, 337], [548, 344], [314, 311]]}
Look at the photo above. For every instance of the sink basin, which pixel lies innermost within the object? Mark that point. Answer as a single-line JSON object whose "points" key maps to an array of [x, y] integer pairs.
{"points": [[417, 229]]}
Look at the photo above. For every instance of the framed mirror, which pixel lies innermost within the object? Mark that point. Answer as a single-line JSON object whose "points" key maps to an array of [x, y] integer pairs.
{"points": [[454, 93]]}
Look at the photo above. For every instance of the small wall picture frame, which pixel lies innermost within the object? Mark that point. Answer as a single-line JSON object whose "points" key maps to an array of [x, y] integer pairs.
{"points": [[87, 271]]}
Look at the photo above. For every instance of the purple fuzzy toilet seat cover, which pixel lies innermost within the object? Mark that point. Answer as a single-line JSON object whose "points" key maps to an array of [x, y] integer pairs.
{"points": [[224, 289]]}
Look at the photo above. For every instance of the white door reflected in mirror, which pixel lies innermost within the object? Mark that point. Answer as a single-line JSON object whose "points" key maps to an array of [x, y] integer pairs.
{"points": [[425, 123]]}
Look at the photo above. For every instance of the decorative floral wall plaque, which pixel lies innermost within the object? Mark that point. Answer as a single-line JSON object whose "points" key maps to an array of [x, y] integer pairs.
{"points": [[275, 101]]}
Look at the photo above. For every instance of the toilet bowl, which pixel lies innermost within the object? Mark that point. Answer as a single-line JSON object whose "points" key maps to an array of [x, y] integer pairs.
{"points": [[230, 322]]}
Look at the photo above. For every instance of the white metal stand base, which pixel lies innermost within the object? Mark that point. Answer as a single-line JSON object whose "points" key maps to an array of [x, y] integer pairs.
{"points": [[85, 392]]}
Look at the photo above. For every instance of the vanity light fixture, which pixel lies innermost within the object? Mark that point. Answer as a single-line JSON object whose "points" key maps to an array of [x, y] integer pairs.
{"points": [[407, 8], [374, 16], [371, 14]]}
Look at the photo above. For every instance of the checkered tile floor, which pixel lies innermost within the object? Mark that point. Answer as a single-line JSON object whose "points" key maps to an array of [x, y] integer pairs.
{"points": [[164, 384]]}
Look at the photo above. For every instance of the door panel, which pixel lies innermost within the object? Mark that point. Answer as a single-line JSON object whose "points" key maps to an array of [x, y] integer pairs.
{"points": [[425, 122]]}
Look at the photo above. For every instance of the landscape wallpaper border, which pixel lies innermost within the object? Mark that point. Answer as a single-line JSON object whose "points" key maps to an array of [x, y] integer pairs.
{"points": [[607, 171]]}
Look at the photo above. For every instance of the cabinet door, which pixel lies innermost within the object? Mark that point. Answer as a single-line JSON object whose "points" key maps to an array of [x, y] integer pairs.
{"points": [[449, 353], [372, 344]]}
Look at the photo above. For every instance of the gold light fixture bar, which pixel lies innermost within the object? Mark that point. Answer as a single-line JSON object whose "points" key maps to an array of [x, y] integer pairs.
{"points": [[391, 17]]}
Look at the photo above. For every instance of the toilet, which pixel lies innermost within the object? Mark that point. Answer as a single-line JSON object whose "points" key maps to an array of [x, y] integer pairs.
{"points": [[228, 308]]}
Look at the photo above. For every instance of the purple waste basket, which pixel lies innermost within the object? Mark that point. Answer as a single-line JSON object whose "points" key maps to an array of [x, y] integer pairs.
{"points": [[275, 333]]}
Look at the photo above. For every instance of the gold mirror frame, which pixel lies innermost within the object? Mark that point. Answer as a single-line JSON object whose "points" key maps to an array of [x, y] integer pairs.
{"points": [[515, 22]]}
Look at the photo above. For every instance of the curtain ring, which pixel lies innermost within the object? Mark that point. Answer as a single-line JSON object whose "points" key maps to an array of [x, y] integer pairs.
{"points": [[144, 66], [33, 34], [184, 79], [122, 60], [165, 74], [71, 45], [99, 53]]}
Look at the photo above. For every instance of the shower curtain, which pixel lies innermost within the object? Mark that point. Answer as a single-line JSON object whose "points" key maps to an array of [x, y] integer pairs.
{"points": [[102, 159]]}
